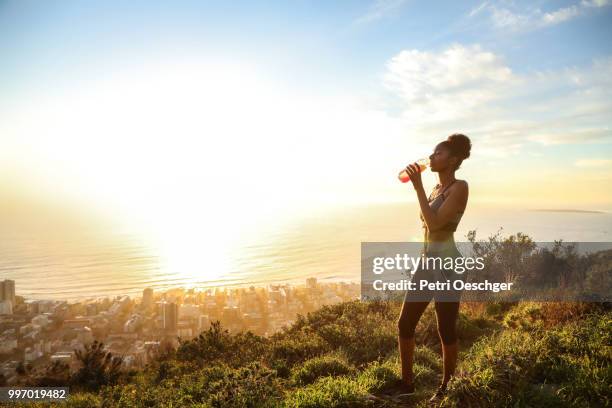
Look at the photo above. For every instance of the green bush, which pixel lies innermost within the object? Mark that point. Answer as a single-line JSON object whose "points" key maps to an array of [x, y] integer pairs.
{"points": [[525, 316], [253, 385], [217, 344], [329, 392], [292, 351], [377, 376], [322, 366], [427, 357], [570, 363]]}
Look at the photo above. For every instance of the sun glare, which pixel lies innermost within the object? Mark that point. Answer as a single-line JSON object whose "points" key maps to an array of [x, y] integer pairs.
{"points": [[198, 158]]}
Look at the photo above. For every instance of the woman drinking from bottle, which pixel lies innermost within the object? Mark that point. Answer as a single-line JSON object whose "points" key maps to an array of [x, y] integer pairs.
{"points": [[440, 215]]}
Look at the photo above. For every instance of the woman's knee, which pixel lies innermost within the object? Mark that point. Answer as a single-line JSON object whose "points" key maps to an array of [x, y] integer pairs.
{"points": [[448, 334], [447, 314], [405, 327]]}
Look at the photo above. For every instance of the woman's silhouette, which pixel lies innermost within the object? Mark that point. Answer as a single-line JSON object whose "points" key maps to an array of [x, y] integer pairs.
{"points": [[440, 215]]}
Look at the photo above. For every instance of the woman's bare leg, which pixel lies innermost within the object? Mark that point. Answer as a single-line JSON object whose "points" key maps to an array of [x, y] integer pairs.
{"points": [[406, 351], [409, 317], [449, 359], [446, 316]]}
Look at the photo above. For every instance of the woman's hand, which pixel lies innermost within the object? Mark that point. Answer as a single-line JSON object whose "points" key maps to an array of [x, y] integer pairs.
{"points": [[414, 172]]}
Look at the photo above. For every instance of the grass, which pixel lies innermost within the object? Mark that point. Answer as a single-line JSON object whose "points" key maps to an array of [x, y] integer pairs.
{"points": [[512, 355]]}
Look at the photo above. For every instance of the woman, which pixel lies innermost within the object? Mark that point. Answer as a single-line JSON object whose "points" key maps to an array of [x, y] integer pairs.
{"points": [[440, 215]]}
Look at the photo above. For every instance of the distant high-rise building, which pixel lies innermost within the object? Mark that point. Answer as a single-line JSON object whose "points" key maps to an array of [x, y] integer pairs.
{"points": [[7, 291], [169, 315], [311, 282], [6, 307], [203, 322], [147, 298]]}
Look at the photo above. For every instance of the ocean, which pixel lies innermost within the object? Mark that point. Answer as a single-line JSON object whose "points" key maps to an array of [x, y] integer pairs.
{"points": [[82, 263]]}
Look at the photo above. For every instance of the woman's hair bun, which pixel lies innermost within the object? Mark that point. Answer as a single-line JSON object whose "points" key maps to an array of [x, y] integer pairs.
{"points": [[460, 145]]}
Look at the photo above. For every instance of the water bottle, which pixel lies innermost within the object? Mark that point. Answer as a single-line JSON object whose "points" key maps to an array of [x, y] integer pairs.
{"points": [[423, 164]]}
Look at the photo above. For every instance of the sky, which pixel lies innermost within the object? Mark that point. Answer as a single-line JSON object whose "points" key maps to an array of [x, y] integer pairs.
{"points": [[177, 115]]}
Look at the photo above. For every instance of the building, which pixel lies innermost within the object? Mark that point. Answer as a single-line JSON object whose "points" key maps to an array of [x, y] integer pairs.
{"points": [[184, 330], [189, 311], [68, 358], [77, 323], [121, 304], [31, 354], [7, 291], [203, 322], [169, 315], [231, 318], [132, 324], [41, 306], [6, 307], [41, 320], [8, 344], [147, 298], [84, 335]]}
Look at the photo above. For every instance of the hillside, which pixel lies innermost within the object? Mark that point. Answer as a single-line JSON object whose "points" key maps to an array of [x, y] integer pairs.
{"points": [[522, 354]]}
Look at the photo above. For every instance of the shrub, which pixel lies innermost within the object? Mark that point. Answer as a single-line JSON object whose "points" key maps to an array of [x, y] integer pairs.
{"points": [[217, 344], [317, 367], [427, 357], [377, 376], [98, 367], [83, 400], [537, 367], [332, 392], [252, 385], [292, 351]]}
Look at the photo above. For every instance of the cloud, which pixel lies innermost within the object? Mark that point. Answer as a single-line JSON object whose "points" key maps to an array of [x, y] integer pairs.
{"points": [[478, 9], [513, 19], [594, 3], [444, 85], [579, 136], [593, 163], [380, 9], [472, 90], [560, 15]]}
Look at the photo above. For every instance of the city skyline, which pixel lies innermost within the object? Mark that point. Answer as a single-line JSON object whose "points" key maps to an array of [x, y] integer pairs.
{"points": [[198, 131], [39, 332]]}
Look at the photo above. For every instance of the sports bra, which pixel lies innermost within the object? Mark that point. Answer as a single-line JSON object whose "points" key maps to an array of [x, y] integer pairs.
{"points": [[435, 204]]}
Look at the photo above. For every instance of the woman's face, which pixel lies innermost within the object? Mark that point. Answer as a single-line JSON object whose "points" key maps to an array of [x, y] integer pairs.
{"points": [[441, 159]]}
